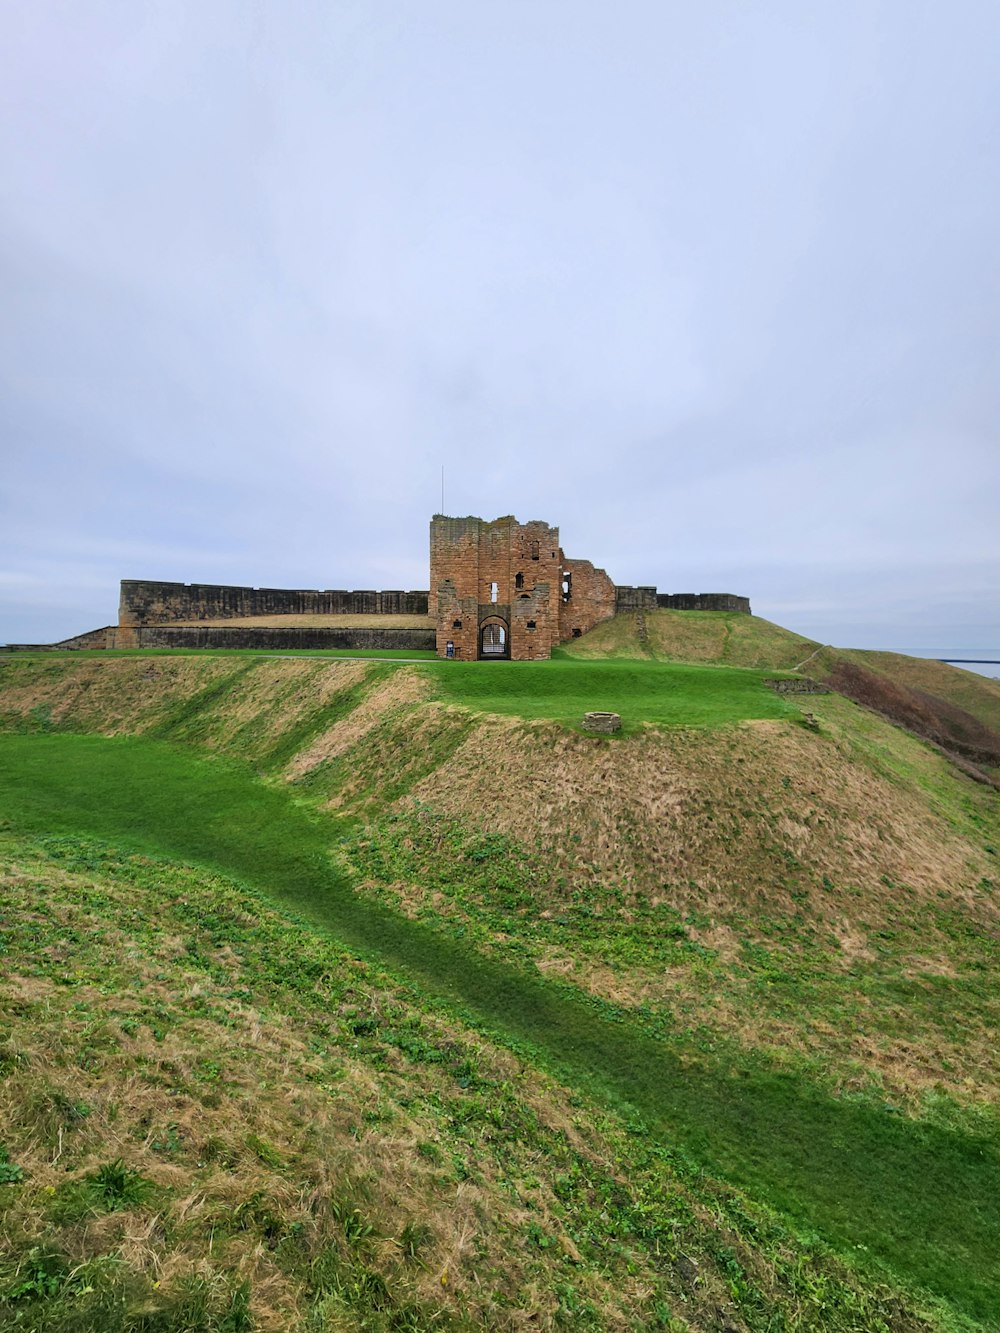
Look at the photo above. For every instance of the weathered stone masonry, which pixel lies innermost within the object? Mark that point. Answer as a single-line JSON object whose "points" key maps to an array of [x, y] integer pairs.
{"points": [[648, 599], [149, 602], [150, 615], [503, 589], [499, 589], [272, 637]]}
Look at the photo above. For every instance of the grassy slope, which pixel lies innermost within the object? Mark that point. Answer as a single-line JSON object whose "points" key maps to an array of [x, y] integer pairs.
{"points": [[979, 695], [738, 640], [309, 1144], [695, 636], [796, 906]]}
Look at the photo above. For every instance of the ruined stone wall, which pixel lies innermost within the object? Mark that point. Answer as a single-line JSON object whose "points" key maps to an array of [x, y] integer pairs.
{"points": [[800, 685], [646, 598], [703, 601], [587, 596], [501, 572], [249, 636], [482, 572], [150, 602], [517, 574], [237, 636], [95, 638], [642, 598], [533, 581], [454, 579]]}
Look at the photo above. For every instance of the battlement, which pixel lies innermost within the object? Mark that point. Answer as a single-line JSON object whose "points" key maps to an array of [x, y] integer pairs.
{"points": [[151, 602], [499, 589]]}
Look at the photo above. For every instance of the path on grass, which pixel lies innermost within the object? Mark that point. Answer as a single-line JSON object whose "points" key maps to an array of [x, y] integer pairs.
{"points": [[918, 1197]]}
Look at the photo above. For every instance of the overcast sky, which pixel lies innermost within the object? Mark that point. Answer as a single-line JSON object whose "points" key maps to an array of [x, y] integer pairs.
{"points": [[713, 285]]}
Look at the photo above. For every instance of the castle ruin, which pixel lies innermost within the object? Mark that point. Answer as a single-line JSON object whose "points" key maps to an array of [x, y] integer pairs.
{"points": [[504, 589], [499, 590]]}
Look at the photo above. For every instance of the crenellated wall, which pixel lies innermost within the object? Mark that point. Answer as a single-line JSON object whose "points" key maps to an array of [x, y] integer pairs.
{"points": [[646, 598], [150, 602], [499, 578]]}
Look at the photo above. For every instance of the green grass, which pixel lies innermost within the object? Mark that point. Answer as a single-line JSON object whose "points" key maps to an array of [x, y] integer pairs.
{"points": [[564, 689], [147, 1021], [913, 1196]]}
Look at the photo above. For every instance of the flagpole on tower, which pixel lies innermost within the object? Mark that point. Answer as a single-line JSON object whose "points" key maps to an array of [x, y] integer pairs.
{"points": [[442, 488]]}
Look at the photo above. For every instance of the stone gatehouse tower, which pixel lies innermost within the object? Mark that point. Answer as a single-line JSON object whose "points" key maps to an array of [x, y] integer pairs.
{"points": [[504, 589]]}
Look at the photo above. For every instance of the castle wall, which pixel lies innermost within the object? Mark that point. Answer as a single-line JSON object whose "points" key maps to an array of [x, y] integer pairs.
{"points": [[587, 597], [150, 602], [516, 574], [93, 639], [250, 636], [497, 573], [238, 636], [703, 601], [628, 598], [646, 598]]}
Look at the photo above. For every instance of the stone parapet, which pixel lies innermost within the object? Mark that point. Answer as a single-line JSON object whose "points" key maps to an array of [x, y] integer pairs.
{"points": [[151, 602], [646, 598]]}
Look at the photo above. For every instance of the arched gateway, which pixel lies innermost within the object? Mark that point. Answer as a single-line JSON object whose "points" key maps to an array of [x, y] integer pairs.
{"points": [[494, 639]]}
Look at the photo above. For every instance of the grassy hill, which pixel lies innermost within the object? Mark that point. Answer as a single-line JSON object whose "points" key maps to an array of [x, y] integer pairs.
{"points": [[345, 994], [953, 708], [695, 636]]}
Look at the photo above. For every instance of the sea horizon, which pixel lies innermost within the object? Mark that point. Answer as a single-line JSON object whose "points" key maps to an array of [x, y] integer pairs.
{"points": [[974, 659]]}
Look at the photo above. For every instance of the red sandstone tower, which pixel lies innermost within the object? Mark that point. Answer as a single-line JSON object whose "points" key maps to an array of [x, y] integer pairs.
{"points": [[504, 589]]}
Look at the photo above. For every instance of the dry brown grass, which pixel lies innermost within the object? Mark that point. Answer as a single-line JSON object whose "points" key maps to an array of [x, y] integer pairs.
{"points": [[110, 695], [265, 698], [724, 824], [343, 1132], [400, 690], [978, 695], [733, 830], [721, 811]]}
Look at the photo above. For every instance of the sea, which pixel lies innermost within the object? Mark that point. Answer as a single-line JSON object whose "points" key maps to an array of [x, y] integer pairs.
{"points": [[988, 667]]}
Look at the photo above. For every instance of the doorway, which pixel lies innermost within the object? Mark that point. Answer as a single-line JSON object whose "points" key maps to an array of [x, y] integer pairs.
{"points": [[494, 640]]}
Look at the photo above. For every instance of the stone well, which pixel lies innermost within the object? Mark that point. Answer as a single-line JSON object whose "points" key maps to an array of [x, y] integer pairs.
{"points": [[602, 722]]}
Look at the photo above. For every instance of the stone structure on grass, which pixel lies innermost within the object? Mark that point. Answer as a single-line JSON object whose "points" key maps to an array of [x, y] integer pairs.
{"points": [[606, 722], [504, 589], [499, 590]]}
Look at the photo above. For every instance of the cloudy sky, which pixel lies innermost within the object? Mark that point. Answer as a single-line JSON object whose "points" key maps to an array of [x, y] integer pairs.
{"points": [[714, 285]]}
